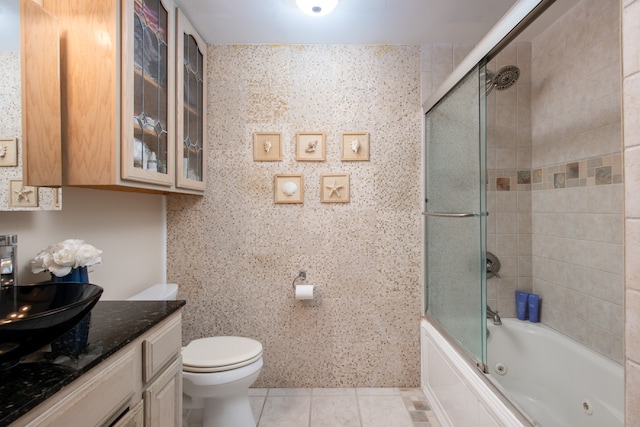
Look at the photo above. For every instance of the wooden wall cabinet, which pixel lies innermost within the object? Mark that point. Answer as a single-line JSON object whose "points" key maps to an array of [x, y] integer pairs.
{"points": [[191, 106], [30, 142], [119, 94]]}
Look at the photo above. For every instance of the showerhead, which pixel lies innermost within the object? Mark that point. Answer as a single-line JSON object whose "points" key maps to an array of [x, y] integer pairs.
{"points": [[503, 79]]}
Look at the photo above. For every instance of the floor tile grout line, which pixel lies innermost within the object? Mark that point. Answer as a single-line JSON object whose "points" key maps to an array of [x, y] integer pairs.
{"points": [[359, 410]]}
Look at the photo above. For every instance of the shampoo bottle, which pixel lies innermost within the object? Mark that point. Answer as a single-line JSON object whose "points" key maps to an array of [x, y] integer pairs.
{"points": [[534, 307], [521, 304]]}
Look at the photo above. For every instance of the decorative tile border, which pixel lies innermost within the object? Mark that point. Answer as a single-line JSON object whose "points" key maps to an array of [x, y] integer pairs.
{"points": [[418, 407], [602, 170]]}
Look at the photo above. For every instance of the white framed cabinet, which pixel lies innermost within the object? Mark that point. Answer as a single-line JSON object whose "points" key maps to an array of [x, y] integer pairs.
{"points": [[119, 95], [191, 106]]}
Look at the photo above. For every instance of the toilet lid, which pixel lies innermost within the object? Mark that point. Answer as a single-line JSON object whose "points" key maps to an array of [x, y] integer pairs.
{"points": [[215, 354]]}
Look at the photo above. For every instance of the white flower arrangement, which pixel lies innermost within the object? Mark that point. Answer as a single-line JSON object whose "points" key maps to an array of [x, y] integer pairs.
{"points": [[61, 258]]}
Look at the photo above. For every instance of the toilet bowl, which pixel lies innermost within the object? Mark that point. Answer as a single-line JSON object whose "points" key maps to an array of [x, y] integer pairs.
{"points": [[216, 374]]}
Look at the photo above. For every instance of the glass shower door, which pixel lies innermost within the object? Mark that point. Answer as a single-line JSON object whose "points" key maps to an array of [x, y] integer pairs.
{"points": [[455, 224]]}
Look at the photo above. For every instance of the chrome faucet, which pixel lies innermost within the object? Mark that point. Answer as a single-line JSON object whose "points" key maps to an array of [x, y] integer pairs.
{"points": [[494, 316], [8, 259]]}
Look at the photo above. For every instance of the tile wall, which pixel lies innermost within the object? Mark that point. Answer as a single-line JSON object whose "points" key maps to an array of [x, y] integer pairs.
{"points": [[234, 252], [508, 162], [577, 200], [555, 178], [631, 108]]}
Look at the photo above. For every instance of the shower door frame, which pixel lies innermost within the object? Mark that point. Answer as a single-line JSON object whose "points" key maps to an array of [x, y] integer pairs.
{"points": [[455, 215], [520, 16]]}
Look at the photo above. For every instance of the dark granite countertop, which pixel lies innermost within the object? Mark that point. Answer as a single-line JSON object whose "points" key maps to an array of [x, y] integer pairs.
{"points": [[111, 326]]}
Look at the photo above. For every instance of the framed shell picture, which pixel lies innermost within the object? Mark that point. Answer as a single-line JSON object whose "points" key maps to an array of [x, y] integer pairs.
{"points": [[334, 188], [354, 147], [267, 147], [288, 188], [310, 147]]}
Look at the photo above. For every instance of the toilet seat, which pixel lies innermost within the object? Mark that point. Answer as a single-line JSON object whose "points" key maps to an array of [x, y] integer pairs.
{"points": [[217, 354]]}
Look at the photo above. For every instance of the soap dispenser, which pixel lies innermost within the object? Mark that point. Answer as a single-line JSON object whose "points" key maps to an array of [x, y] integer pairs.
{"points": [[8, 258]]}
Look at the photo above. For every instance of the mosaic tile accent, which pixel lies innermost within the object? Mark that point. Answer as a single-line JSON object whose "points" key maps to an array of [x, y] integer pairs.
{"points": [[524, 177], [503, 184], [419, 408], [603, 175], [573, 170], [602, 170]]}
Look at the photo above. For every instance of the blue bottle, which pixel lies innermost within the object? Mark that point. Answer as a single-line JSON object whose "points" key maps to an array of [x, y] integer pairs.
{"points": [[521, 304], [534, 307]]}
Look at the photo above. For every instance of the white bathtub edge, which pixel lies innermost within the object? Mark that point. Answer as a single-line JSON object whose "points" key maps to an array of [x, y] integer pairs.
{"points": [[479, 394]]}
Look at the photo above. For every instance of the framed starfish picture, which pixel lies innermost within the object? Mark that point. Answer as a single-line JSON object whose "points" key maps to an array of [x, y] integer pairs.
{"points": [[22, 196], [267, 147], [310, 147], [334, 188]]}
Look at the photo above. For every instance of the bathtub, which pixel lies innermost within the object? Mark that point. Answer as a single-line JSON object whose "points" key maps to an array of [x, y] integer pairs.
{"points": [[548, 377], [553, 379]]}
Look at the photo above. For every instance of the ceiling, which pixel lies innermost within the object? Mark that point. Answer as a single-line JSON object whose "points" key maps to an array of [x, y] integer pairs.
{"points": [[411, 22]]}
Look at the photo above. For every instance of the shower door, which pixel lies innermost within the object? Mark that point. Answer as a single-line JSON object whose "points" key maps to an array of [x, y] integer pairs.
{"points": [[454, 221]]}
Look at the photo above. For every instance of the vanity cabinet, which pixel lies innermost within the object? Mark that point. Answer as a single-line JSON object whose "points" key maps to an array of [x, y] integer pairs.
{"points": [[119, 95], [140, 385]]}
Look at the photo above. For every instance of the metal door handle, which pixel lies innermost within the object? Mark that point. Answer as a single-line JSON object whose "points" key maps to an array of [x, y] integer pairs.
{"points": [[449, 215]]}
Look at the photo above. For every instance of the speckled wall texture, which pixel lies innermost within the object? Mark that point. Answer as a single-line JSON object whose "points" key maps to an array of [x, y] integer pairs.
{"points": [[235, 253]]}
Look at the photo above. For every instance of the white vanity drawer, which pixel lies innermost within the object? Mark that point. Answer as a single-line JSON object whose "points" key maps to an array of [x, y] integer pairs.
{"points": [[94, 402], [161, 347]]}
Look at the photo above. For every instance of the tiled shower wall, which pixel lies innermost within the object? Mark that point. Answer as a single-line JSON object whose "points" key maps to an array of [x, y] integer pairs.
{"points": [[234, 252], [577, 220], [508, 199], [555, 177]]}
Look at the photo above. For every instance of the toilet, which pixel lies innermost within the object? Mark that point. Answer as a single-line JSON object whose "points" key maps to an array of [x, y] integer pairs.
{"points": [[216, 373]]}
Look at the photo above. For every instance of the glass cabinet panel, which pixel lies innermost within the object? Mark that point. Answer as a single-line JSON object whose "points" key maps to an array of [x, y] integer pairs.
{"points": [[148, 153], [191, 87]]}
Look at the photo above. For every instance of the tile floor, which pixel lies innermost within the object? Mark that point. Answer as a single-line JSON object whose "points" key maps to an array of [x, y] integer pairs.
{"points": [[341, 407]]}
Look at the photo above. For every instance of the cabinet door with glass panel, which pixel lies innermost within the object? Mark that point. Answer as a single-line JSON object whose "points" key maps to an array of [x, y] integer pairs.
{"points": [[191, 110], [148, 126]]}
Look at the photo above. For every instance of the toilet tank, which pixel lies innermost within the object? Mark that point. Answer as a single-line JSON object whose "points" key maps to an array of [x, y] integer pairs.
{"points": [[159, 292]]}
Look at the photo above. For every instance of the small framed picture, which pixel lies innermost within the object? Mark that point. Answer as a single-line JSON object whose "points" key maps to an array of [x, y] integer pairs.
{"points": [[334, 188], [267, 147], [8, 152], [288, 188], [310, 147], [22, 196], [354, 147]]}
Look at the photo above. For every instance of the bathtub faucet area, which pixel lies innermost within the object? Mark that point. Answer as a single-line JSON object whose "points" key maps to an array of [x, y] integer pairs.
{"points": [[494, 316]]}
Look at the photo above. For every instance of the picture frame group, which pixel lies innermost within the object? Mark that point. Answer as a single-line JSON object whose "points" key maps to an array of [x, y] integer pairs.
{"points": [[289, 188]]}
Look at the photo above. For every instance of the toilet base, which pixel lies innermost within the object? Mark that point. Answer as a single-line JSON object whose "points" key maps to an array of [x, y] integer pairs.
{"points": [[219, 399], [230, 411]]}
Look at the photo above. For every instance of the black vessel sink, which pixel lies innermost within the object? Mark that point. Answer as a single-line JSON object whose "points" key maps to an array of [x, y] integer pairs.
{"points": [[32, 316]]}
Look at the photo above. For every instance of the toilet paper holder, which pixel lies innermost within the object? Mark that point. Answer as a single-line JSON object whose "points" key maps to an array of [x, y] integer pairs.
{"points": [[302, 276]]}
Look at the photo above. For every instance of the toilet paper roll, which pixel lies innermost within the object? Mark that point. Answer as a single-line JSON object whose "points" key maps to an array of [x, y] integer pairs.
{"points": [[304, 291]]}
